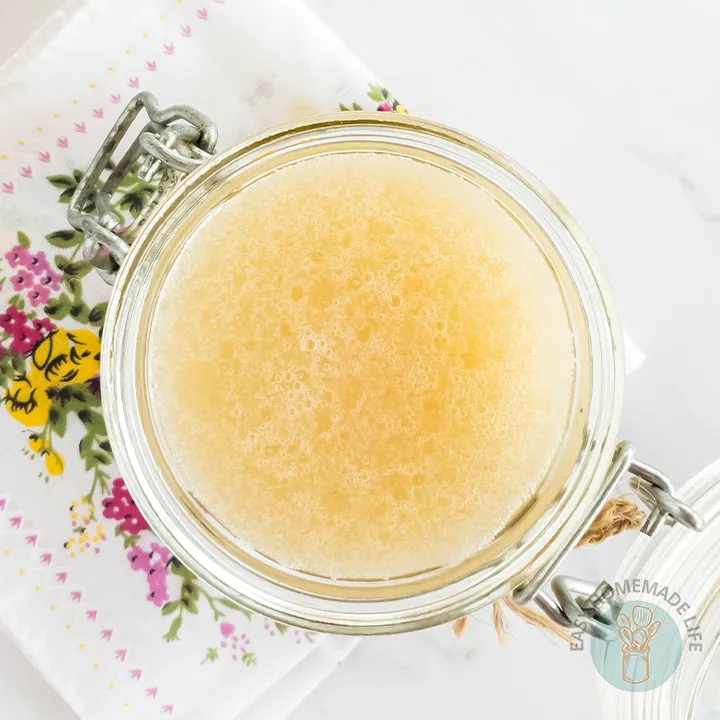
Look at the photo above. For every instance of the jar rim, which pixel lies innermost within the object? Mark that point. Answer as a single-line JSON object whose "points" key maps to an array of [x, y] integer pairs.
{"points": [[198, 544]]}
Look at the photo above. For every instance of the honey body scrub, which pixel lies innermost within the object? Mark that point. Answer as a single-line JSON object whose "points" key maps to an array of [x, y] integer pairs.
{"points": [[361, 364]]}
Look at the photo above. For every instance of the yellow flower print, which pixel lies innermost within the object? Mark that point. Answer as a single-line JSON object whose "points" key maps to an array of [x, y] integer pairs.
{"points": [[66, 357], [42, 445], [36, 443], [54, 463], [401, 109], [27, 400], [87, 533]]}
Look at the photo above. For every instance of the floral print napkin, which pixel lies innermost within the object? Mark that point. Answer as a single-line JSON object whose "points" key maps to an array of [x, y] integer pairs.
{"points": [[118, 625]]}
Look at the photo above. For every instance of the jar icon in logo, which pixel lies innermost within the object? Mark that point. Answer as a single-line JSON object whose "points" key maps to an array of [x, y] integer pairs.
{"points": [[636, 635], [648, 649]]}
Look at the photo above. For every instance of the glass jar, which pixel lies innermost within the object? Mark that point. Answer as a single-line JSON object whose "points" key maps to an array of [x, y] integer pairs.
{"points": [[525, 554], [689, 565]]}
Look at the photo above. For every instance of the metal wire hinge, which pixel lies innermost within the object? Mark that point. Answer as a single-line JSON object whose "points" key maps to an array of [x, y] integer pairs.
{"points": [[575, 603], [172, 144]]}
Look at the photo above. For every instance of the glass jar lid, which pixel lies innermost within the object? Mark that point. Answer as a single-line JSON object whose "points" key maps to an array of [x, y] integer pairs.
{"points": [[674, 580]]}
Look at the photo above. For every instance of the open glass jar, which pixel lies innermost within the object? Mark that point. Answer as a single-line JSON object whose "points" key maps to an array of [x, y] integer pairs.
{"points": [[688, 565], [177, 145]]}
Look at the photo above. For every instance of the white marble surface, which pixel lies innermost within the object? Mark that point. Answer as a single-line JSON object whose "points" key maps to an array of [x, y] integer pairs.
{"points": [[615, 106]]}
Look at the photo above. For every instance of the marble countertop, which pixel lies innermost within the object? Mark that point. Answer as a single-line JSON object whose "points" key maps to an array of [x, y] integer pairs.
{"points": [[615, 107]]}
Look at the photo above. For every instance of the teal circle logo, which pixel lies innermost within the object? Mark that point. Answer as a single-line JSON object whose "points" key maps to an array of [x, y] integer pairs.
{"points": [[645, 654]]}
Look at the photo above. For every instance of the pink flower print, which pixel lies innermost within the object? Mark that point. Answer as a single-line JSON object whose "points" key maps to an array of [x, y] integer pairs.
{"points": [[169, 49], [43, 326], [26, 172], [115, 99], [18, 256], [22, 280], [98, 113], [38, 263], [226, 629], [385, 107], [122, 507], [139, 559], [186, 31], [25, 336], [154, 565], [39, 295], [157, 583], [159, 553], [133, 82], [8, 188], [202, 14], [94, 385], [62, 142], [80, 127], [50, 279], [44, 157], [24, 340], [151, 65], [12, 320]]}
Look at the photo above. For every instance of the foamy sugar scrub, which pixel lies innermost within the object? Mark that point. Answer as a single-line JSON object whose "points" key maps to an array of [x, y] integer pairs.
{"points": [[362, 366]]}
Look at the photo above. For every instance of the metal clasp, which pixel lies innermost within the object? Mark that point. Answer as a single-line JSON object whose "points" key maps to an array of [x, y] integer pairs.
{"points": [[175, 141], [655, 490], [575, 603]]}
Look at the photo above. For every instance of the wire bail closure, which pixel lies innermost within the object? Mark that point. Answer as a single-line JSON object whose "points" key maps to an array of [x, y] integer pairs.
{"points": [[576, 603], [174, 141]]}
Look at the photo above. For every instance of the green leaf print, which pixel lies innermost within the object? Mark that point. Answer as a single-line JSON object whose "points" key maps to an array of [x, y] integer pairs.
{"points": [[211, 655], [80, 311], [77, 269], [376, 92], [62, 182], [57, 419], [170, 607], [96, 316], [172, 634], [235, 606], [58, 307], [65, 238], [249, 658], [23, 240]]}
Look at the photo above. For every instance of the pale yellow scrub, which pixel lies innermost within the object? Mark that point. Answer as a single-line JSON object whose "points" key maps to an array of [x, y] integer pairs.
{"points": [[362, 366]]}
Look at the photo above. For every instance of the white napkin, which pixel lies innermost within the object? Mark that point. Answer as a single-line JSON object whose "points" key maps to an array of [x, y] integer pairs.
{"points": [[84, 587]]}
